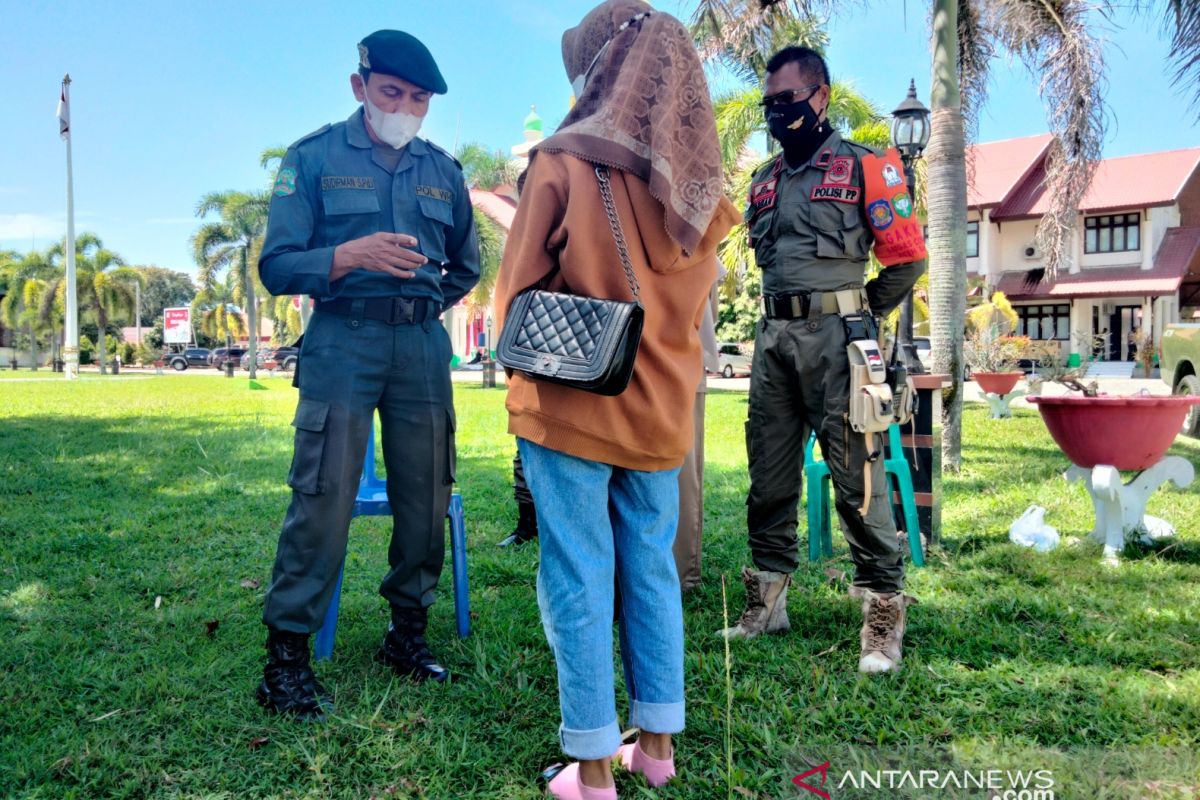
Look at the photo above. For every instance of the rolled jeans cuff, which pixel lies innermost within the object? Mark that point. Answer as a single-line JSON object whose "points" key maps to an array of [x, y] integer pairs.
{"points": [[593, 744], [656, 717]]}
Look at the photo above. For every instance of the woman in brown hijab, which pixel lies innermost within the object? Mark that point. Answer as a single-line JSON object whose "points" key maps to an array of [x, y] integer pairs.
{"points": [[603, 470]]}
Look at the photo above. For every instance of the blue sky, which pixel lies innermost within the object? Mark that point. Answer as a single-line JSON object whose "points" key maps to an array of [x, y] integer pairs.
{"points": [[173, 100]]}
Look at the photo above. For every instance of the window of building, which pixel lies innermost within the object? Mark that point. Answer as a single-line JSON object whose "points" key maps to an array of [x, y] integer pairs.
{"points": [[1114, 233], [1044, 322]]}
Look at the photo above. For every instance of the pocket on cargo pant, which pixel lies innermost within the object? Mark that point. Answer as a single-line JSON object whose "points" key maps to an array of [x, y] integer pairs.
{"points": [[307, 475], [451, 450]]}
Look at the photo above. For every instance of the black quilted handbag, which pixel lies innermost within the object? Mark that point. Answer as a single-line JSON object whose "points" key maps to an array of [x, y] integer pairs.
{"points": [[582, 342]]}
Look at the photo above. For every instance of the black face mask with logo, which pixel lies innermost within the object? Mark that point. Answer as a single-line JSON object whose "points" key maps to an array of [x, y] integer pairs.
{"points": [[798, 130]]}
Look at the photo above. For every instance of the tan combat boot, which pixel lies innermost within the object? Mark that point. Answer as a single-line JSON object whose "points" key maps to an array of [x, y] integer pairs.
{"points": [[766, 605], [882, 636]]}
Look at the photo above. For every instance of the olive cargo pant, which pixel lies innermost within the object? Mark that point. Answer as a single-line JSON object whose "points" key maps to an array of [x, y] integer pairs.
{"points": [[800, 382], [350, 366]]}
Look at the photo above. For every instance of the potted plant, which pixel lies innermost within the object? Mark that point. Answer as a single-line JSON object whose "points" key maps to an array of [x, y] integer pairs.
{"points": [[1129, 432], [990, 348], [1104, 435]]}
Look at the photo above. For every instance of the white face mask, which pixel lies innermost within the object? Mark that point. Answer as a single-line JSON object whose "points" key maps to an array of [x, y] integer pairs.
{"points": [[580, 82], [396, 129]]}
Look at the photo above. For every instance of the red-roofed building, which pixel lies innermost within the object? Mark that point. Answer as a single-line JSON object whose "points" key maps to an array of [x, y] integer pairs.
{"points": [[1135, 257]]}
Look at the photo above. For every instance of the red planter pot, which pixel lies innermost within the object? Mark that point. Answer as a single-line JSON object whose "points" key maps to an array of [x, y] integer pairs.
{"points": [[997, 382], [1129, 433]]}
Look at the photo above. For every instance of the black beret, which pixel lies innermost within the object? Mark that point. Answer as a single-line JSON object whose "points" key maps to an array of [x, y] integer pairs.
{"points": [[401, 54]]}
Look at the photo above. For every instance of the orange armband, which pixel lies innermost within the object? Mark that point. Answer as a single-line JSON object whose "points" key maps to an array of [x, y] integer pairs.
{"points": [[890, 210]]}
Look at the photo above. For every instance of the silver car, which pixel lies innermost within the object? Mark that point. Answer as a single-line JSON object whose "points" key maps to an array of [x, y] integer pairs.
{"points": [[732, 360]]}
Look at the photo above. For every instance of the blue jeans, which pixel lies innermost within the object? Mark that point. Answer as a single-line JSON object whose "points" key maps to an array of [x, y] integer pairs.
{"points": [[597, 522]]}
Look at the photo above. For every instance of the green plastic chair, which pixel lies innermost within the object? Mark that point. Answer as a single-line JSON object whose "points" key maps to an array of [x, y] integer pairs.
{"points": [[820, 506]]}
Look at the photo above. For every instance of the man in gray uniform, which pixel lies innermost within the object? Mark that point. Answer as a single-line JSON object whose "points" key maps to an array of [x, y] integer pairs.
{"points": [[811, 240], [376, 225]]}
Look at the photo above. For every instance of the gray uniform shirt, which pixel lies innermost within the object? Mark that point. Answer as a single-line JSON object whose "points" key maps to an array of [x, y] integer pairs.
{"points": [[808, 227], [334, 186]]}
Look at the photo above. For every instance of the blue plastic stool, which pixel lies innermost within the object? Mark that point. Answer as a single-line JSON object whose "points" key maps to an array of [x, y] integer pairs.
{"points": [[820, 509], [372, 501]]}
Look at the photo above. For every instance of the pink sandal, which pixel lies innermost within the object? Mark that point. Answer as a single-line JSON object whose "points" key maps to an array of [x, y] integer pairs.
{"points": [[657, 771], [565, 784]]}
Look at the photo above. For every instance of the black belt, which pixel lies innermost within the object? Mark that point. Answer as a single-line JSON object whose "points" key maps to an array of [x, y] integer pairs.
{"points": [[798, 305], [392, 310]]}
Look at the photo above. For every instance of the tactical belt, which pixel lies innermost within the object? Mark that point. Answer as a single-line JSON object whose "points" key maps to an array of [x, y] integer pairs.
{"points": [[799, 305], [392, 310]]}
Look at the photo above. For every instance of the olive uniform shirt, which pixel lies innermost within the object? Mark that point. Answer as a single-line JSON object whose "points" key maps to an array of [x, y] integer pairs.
{"points": [[808, 227]]}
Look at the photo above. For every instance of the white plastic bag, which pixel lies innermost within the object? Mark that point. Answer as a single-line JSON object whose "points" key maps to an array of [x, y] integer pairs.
{"points": [[1031, 530]]}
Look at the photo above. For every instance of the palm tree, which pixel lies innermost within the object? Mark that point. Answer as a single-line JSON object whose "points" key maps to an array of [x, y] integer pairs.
{"points": [[486, 170], [217, 314], [232, 244], [104, 284]]}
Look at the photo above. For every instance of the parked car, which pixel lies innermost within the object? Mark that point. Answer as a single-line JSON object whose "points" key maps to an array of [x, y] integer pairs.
{"points": [[924, 351], [284, 357], [191, 357], [731, 360], [222, 354], [1180, 366]]}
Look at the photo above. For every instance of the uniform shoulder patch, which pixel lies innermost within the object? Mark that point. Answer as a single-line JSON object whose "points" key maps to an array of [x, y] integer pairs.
{"points": [[308, 136], [443, 151], [285, 182]]}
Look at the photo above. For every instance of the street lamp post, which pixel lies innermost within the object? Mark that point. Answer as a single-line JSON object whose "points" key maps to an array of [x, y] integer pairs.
{"points": [[489, 366], [910, 135]]}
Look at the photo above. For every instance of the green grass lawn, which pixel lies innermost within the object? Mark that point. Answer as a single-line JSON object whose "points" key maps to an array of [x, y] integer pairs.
{"points": [[138, 522]]}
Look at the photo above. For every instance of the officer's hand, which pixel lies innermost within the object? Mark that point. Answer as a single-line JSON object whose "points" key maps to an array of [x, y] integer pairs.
{"points": [[380, 252]]}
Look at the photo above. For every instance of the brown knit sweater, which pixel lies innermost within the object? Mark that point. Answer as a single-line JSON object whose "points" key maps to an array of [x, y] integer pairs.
{"points": [[561, 222]]}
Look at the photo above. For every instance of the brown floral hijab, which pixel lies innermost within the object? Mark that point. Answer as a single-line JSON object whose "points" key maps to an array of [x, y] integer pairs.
{"points": [[645, 109]]}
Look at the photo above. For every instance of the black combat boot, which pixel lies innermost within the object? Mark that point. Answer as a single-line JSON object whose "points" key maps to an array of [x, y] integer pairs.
{"points": [[526, 530], [405, 651], [289, 685]]}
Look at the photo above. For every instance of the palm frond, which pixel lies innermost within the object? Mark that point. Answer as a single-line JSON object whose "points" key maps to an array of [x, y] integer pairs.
{"points": [[491, 237], [848, 109], [1056, 41], [739, 116]]}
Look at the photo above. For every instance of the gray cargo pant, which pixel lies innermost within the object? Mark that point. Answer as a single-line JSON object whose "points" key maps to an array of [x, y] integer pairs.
{"points": [[800, 382], [350, 366]]}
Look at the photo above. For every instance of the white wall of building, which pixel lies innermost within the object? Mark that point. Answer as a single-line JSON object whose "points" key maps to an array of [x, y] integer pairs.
{"points": [[1014, 236]]}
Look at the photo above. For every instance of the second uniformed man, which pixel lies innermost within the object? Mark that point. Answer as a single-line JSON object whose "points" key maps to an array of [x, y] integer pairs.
{"points": [[376, 225], [811, 240]]}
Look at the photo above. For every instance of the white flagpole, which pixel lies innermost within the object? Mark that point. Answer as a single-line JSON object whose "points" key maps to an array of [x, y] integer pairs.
{"points": [[71, 327]]}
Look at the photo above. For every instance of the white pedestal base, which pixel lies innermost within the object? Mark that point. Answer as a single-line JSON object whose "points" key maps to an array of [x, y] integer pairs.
{"points": [[1121, 508], [999, 403]]}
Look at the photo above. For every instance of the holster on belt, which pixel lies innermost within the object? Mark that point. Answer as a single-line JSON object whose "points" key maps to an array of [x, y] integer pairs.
{"points": [[871, 406]]}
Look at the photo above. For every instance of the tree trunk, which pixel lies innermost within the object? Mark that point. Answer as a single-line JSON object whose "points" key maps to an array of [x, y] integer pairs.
{"points": [[102, 318], [33, 347], [251, 315], [947, 216]]}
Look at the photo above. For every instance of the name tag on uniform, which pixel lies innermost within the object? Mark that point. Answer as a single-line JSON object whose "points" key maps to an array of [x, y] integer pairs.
{"points": [[445, 195], [331, 182], [840, 194]]}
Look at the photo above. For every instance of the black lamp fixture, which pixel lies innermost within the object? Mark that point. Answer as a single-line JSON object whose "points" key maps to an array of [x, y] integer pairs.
{"points": [[910, 125]]}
